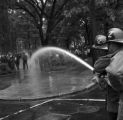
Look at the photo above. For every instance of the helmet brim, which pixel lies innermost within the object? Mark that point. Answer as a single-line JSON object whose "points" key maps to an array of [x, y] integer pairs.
{"points": [[103, 47], [116, 41]]}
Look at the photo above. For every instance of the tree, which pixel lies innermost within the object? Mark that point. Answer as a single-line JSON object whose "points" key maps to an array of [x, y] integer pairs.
{"points": [[71, 27], [23, 28], [4, 26], [59, 16], [46, 15]]}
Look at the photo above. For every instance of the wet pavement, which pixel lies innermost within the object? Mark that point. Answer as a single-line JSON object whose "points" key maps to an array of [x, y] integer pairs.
{"points": [[24, 85], [62, 109], [54, 92], [16, 86]]}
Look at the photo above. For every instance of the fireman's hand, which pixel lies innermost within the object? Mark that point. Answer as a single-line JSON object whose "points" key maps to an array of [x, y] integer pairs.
{"points": [[95, 79]]}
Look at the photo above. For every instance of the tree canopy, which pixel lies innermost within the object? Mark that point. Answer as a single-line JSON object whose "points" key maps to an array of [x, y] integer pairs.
{"points": [[62, 22]]}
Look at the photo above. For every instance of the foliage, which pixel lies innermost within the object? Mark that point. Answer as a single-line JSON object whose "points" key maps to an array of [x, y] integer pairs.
{"points": [[47, 13], [71, 27], [62, 22], [24, 29], [4, 27]]}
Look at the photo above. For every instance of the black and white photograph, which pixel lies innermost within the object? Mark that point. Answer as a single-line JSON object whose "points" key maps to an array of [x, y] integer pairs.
{"points": [[61, 59]]}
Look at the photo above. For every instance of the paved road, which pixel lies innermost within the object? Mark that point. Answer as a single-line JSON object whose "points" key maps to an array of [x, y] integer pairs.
{"points": [[26, 85], [23, 85]]}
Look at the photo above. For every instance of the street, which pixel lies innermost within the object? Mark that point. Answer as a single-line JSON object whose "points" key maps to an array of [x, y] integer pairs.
{"points": [[22, 91], [23, 85]]}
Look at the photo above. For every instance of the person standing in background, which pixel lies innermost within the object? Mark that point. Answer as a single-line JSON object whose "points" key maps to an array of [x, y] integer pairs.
{"points": [[25, 61]]}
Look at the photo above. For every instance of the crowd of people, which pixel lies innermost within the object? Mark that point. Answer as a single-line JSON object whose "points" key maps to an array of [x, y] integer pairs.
{"points": [[12, 61]]}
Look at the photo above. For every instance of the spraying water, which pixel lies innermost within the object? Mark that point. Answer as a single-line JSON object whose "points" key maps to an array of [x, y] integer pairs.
{"points": [[45, 49], [53, 72], [48, 84], [58, 78]]}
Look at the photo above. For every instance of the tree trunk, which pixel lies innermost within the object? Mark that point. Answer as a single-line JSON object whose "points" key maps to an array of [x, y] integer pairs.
{"points": [[48, 32], [119, 14], [93, 21], [42, 40], [4, 26], [92, 27], [43, 36], [67, 43], [86, 34]]}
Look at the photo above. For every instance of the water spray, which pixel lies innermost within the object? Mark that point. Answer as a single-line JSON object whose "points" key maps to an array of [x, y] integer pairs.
{"points": [[64, 51]]}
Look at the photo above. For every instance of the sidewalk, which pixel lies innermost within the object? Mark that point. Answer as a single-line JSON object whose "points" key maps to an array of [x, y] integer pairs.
{"points": [[62, 110]]}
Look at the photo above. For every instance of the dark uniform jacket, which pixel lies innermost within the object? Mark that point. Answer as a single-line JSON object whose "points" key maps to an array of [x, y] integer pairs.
{"points": [[112, 95]]}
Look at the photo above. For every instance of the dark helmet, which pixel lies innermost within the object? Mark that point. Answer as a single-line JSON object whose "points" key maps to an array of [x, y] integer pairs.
{"points": [[100, 42], [115, 35]]}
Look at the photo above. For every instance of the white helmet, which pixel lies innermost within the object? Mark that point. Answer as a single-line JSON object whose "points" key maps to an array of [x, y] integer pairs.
{"points": [[115, 35], [100, 42]]}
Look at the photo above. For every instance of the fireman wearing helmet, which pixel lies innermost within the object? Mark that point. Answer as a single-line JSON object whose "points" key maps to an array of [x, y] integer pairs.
{"points": [[100, 42], [111, 66], [99, 48], [115, 68]]}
